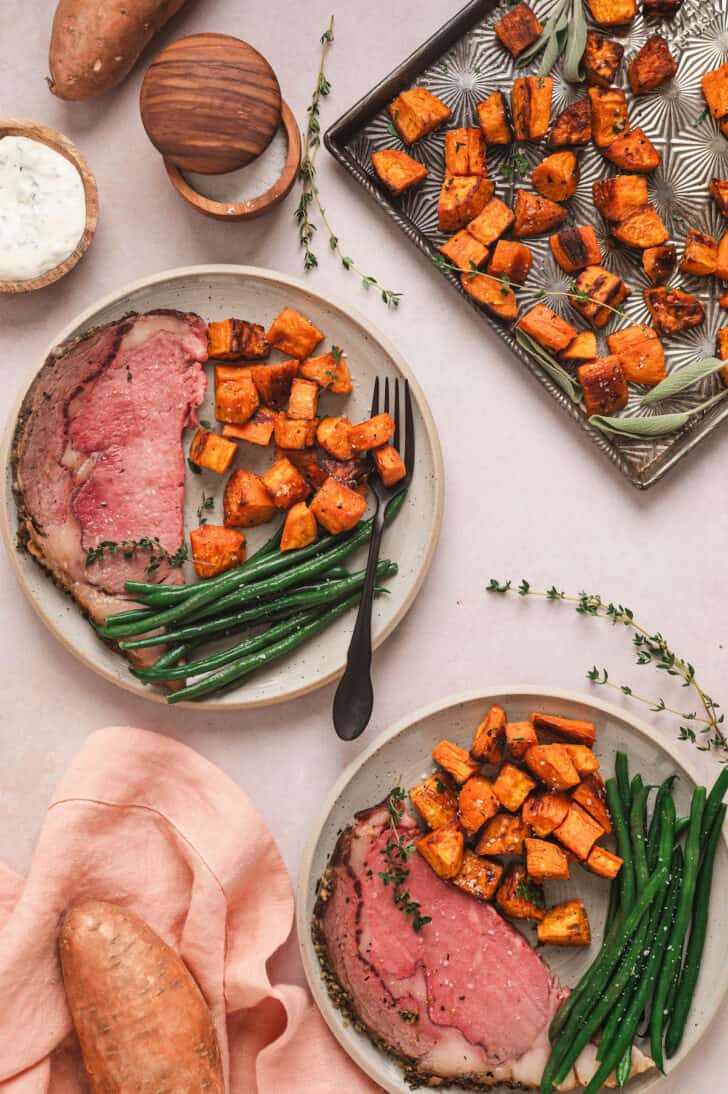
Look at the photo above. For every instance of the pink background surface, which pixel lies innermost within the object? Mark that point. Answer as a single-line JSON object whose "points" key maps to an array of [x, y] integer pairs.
{"points": [[526, 494]]}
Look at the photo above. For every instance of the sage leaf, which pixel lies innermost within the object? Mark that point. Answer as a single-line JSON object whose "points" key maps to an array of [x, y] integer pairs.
{"points": [[659, 425], [552, 52], [556, 371], [575, 45], [550, 27], [682, 379]]}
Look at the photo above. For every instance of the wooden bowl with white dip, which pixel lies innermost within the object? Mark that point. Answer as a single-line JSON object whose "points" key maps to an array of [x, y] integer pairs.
{"points": [[48, 205]]}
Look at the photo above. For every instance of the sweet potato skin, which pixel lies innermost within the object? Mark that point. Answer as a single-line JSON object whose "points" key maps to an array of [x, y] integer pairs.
{"points": [[120, 976], [94, 46]]}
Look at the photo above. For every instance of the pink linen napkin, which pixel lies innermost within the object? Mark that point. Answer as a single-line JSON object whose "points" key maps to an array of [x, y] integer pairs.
{"points": [[145, 822]]}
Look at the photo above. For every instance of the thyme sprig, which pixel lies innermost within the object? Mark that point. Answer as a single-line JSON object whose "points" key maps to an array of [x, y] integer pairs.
{"points": [[310, 194], [127, 548], [397, 855], [705, 730]]}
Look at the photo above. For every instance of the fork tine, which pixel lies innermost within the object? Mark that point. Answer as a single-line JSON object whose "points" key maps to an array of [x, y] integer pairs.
{"points": [[375, 399], [386, 395], [409, 430], [395, 439]]}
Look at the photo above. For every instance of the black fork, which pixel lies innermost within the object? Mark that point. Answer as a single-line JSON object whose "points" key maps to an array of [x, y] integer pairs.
{"points": [[355, 694]]}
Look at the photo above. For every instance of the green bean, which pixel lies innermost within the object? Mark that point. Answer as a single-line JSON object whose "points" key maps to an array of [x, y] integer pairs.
{"points": [[624, 845], [621, 773], [623, 1069], [681, 825], [172, 656], [613, 906], [247, 665], [637, 834], [714, 802], [591, 987], [682, 920], [696, 944], [653, 835]]}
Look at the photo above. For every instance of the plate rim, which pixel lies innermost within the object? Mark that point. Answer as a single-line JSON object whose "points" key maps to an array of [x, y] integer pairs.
{"points": [[84, 319], [309, 961]]}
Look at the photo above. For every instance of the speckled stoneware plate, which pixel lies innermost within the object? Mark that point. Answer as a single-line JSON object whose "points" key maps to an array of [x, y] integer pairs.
{"points": [[463, 63], [215, 292], [401, 755]]}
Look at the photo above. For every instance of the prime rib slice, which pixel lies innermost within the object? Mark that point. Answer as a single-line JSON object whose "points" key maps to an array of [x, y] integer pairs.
{"points": [[98, 456], [464, 999]]}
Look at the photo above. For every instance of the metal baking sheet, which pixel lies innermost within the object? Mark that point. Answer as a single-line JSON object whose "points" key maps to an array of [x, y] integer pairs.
{"points": [[462, 63]]}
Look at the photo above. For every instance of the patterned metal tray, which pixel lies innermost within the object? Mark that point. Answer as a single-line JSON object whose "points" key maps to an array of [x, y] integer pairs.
{"points": [[462, 63]]}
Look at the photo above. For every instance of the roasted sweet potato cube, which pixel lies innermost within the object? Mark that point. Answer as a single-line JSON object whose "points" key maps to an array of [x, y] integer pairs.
{"points": [[493, 118], [633, 151], [389, 464], [664, 9], [257, 430], [495, 296], [489, 738], [609, 114], [293, 333], [519, 896], [723, 300], [465, 152], [659, 263], [371, 433], [535, 214], [236, 339], [503, 835], [545, 811], [640, 353], [591, 795], [601, 60], [333, 436], [353, 473], [565, 925], [583, 759], [603, 862], [573, 126], [478, 876], [295, 432], [337, 507], [518, 29], [673, 310], [477, 803], [531, 106], [462, 197], [617, 197], [598, 294], [455, 760], [519, 737], [546, 861], [494, 219], [464, 251], [246, 501], [397, 170], [553, 765], [416, 113], [581, 350], [236, 396], [273, 382], [721, 265], [700, 256], [330, 371], [603, 385], [574, 730], [299, 529], [715, 90], [722, 341], [719, 194], [613, 13], [514, 260], [576, 248], [285, 484], [512, 787], [216, 549], [651, 66], [212, 451], [578, 831], [557, 177], [643, 228], [303, 400], [435, 800], [547, 328], [443, 849]]}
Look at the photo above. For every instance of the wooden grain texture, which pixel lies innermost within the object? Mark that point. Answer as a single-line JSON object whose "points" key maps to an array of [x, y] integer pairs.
{"points": [[210, 103], [20, 127]]}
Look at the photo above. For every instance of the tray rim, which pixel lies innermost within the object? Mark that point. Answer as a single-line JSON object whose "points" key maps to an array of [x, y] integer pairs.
{"points": [[340, 131]]}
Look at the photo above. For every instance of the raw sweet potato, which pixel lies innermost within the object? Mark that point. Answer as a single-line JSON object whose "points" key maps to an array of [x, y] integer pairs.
{"points": [[94, 46], [141, 1019]]}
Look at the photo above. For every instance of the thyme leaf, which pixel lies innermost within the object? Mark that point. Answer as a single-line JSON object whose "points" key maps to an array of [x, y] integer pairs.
{"points": [[397, 854]]}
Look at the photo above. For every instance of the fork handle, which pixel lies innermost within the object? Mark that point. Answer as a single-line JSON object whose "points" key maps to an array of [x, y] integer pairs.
{"points": [[354, 697]]}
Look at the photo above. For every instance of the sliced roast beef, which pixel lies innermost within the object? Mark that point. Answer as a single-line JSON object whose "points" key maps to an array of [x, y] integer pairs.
{"points": [[98, 460], [463, 999]]}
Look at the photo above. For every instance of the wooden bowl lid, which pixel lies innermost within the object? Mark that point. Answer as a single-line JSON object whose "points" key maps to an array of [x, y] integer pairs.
{"points": [[210, 103]]}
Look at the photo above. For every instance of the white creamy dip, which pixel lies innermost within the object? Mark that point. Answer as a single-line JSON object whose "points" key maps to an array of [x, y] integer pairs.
{"points": [[42, 208]]}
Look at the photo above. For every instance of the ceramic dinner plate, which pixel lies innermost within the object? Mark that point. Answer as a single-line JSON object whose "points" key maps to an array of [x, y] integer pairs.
{"points": [[402, 755], [216, 292]]}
